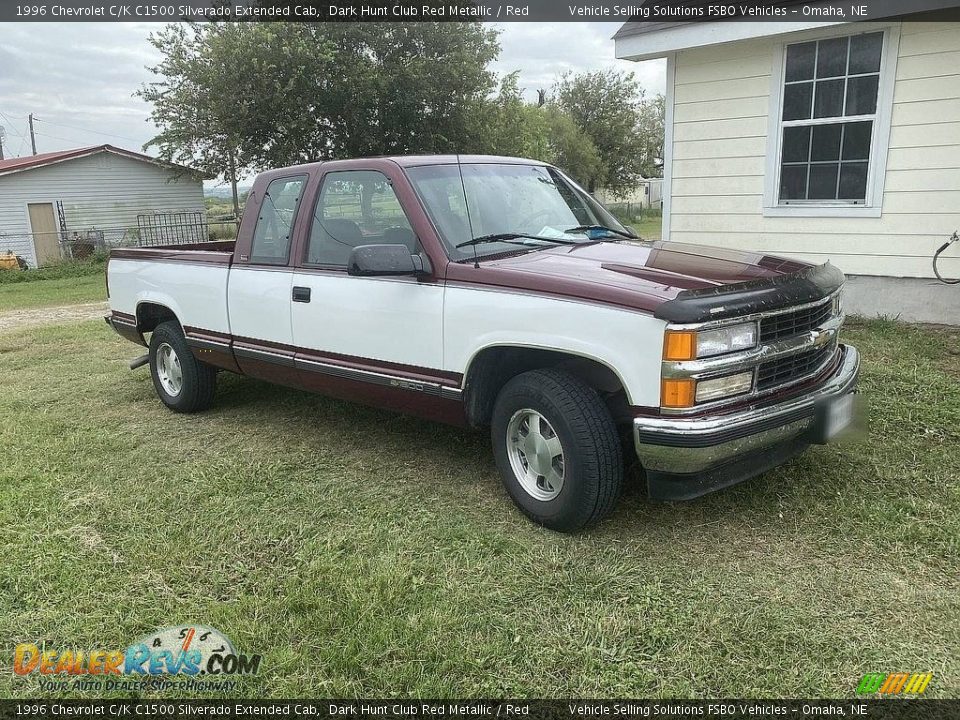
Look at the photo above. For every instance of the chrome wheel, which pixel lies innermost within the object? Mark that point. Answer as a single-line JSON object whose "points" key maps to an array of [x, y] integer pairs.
{"points": [[536, 454], [168, 370]]}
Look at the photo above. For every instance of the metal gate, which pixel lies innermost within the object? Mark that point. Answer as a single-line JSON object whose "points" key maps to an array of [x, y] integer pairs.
{"points": [[175, 228]]}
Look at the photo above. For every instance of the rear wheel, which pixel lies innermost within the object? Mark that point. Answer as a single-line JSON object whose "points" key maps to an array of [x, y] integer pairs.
{"points": [[182, 382], [557, 449]]}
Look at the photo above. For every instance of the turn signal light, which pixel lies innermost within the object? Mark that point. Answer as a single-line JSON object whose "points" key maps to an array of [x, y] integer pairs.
{"points": [[679, 345], [678, 392]]}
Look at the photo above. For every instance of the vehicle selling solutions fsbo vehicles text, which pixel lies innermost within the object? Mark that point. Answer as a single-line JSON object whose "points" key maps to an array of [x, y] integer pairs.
{"points": [[714, 10]]}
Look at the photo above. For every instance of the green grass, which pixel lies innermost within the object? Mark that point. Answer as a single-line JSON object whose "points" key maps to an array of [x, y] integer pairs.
{"points": [[366, 553], [49, 293], [95, 265]]}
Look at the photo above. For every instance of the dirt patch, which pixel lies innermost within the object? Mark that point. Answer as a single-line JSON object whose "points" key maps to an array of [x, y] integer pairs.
{"points": [[17, 319]]}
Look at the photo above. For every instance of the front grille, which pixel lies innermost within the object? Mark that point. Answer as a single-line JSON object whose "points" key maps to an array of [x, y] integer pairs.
{"points": [[794, 323], [793, 367]]}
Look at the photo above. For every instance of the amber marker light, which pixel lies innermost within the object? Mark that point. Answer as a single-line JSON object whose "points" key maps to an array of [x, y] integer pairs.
{"points": [[679, 345], [678, 392]]}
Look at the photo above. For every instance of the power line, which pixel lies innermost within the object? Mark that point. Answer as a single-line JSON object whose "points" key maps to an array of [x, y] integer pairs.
{"points": [[54, 137], [12, 126], [95, 132]]}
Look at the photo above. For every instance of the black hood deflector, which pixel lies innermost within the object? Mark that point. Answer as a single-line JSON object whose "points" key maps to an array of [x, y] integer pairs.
{"points": [[753, 296]]}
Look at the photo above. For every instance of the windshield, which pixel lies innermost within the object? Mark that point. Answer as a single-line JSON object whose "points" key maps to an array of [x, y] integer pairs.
{"points": [[504, 199]]}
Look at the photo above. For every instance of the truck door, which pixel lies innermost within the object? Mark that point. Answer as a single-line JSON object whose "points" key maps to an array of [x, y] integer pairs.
{"points": [[374, 339], [258, 291]]}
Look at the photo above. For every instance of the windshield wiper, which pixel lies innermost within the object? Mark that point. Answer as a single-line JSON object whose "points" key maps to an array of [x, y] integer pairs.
{"points": [[603, 228], [510, 237]]}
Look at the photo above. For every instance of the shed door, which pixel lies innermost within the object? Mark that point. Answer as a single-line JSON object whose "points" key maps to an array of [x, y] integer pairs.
{"points": [[43, 224]]}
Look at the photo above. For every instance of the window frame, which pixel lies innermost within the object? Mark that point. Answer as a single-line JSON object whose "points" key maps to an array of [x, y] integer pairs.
{"points": [[304, 262], [879, 141], [304, 178]]}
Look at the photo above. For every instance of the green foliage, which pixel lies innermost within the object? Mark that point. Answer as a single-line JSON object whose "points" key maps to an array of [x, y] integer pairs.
{"points": [[517, 128], [275, 94], [64, 269], [607, 106]]}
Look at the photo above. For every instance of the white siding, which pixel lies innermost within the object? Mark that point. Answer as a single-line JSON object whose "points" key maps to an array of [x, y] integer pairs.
{"points": [[101, 191], [719, 148]]}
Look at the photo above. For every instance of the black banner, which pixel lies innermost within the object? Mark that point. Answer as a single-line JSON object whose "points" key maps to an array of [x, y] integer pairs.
{"points": [[642, 11], [730, 709]]}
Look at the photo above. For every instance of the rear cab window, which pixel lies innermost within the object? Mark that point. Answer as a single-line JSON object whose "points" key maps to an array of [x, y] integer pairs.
{"points": [[278, 212]]}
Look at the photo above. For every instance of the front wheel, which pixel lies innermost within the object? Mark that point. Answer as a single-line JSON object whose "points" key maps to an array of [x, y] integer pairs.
{"points": [[182, 382], [557, 449]]}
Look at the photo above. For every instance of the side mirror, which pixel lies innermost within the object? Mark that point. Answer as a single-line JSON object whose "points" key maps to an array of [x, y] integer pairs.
{"points": [[372, 260]]}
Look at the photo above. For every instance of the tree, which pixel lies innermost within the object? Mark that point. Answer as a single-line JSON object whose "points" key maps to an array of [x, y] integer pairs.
{"points": [[606, 106], [255, 95], [229, 93], [650, 128], [539, 132]]}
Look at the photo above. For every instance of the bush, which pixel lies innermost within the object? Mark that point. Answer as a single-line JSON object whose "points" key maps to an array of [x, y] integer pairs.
{"points": [[632, 214], [94, 265]]}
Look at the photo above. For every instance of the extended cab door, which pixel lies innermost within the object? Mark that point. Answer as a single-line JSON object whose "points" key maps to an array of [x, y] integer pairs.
{"points": [[258, 292], [373, 339]]}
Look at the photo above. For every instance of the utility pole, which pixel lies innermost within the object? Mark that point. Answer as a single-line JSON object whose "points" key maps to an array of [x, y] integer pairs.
{"points": [[33, 138], [233, 185], [3, 136]]}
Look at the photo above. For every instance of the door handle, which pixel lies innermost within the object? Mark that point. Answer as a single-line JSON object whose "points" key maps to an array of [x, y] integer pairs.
{"points": [[301, 294]]}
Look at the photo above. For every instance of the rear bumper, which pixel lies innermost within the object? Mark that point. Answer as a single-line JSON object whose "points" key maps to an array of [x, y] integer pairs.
{"points": [[687, 457]]}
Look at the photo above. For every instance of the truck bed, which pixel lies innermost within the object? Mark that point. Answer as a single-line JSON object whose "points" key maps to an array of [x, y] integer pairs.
{"points": [[189, 279]]}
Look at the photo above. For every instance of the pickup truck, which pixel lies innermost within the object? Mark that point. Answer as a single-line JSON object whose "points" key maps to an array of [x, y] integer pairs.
{"points": [[496, 293]]}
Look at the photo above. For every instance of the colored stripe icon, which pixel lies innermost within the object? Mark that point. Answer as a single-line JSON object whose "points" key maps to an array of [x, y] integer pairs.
{"points": [[894, 683]]}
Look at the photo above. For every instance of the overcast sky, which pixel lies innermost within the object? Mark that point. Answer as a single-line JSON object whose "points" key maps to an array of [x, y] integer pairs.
{"points": [[78, 78]]}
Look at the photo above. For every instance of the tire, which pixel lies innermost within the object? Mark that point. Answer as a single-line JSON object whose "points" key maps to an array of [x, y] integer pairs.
{"points": [[173, 365], [587, 489]]}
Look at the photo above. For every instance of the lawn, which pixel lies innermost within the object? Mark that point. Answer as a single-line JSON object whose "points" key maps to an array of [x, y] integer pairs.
{"points": [[49, 293], [365, 553]]}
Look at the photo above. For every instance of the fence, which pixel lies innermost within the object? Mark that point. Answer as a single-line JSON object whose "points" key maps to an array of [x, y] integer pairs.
{"points": [[151, 229]]}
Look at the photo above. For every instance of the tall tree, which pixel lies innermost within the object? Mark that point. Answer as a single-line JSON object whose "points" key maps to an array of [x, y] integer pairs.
{"points": [[650, 126], [268, 94], [606, 106]]}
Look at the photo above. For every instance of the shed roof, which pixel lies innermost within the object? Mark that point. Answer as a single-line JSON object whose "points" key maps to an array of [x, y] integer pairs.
{"points": [[29, 162]]}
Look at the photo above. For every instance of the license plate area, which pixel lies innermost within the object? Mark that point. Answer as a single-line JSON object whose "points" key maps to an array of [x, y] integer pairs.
{"points": [[834, 417]]}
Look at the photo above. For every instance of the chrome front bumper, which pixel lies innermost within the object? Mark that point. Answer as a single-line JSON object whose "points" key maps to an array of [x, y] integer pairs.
{"points": [[678, 446]]}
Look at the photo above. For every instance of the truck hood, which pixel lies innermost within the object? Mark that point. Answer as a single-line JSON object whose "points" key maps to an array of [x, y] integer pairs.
{"points": [[637, 275]]}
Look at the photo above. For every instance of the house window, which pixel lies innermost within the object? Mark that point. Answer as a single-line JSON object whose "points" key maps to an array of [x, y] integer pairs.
{"points": [[828, 120]]}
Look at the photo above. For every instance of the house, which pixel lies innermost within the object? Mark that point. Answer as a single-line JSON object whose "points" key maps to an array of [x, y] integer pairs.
{"points": [[648, 194], [54, 203], [818, 140]]}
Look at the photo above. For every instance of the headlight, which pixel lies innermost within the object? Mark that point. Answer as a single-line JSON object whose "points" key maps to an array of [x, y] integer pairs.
{"points": [[726, 339], [688, 345], [722, 387], [837, 308], [686, 392]]}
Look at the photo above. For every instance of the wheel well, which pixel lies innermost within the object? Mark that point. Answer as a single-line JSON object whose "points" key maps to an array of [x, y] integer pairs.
{"points": [[493, 367], [149, 315]]}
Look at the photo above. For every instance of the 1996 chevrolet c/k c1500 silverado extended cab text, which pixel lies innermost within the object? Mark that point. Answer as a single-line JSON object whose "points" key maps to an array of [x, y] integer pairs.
{"points": [[495, 292]]}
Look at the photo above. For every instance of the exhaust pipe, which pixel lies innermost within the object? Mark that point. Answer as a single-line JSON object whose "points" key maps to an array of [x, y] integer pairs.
{"points": [[140, 361]]}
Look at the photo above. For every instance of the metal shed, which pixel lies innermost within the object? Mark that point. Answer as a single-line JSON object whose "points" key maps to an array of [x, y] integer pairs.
{"points": [[61, 204]]}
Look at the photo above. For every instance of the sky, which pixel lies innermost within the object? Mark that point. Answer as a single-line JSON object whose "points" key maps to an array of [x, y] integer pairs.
{"points": [[78, 79]]}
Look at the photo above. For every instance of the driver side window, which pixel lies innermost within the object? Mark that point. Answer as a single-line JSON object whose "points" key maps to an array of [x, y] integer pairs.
{"points": [[356, 207]]}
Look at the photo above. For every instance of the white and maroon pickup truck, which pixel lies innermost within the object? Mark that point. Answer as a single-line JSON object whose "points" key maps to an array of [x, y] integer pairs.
{"points": [[495, 292]]}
